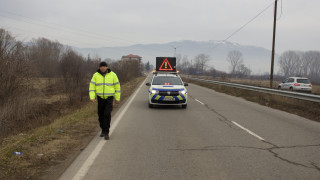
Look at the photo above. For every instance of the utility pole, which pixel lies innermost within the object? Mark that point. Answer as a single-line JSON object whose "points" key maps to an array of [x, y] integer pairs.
{"points": [[273, 42], [175, 50]]}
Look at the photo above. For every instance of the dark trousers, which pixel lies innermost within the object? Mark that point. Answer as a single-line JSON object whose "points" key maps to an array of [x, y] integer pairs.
{"points": [[105, 107]]}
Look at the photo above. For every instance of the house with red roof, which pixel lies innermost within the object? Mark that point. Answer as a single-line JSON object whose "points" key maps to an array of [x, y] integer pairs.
{"points": [[131, 57]]}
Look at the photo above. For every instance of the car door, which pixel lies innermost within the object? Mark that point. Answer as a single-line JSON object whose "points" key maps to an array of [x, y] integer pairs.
{"points": [[285, 84], [290, 83]]}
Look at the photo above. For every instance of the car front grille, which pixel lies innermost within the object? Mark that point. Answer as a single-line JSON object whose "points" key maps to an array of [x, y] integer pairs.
{"points": [[169, 93], [168, 102]]}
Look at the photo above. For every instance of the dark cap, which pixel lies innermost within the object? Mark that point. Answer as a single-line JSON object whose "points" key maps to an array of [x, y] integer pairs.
{"points": [[103, 64]]}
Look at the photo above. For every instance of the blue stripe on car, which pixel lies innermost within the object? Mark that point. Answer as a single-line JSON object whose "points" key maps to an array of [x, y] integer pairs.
{"points": [[154, 96]]}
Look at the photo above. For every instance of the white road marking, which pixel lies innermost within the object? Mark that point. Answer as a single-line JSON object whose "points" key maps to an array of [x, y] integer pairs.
{"points": [[250, 132], [87, 164], [199, 101]]}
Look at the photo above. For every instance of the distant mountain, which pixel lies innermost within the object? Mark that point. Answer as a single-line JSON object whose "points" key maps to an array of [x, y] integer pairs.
{"points": [[257, 58]]}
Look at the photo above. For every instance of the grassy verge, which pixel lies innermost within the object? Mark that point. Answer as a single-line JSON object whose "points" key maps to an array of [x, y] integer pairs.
{"points": [[301, 108], [54, 145]]}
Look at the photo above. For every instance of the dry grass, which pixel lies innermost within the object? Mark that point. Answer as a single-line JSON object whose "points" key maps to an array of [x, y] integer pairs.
{"points": [[302, 108], [54, 145], [29, 111], [53, 141], [260, 83], [316, 89], [42, 83]]}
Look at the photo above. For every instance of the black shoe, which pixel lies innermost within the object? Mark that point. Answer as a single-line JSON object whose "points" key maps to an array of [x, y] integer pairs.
{"points": [[106, 137], [103, 134]]}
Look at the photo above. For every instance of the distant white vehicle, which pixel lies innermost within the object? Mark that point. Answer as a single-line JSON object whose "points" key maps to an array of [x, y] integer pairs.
{"points": [[296, 84]]}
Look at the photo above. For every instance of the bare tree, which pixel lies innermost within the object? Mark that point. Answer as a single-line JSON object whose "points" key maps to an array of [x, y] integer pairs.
{"points": [[213, 72], [243, 71], [147, 66], [16, 88], [127, 70], [45, 56], [235, 59], [201, 61], [15, 69], [312, 59], [290, 63], [184, 65], [297, 63], [72, 68]]}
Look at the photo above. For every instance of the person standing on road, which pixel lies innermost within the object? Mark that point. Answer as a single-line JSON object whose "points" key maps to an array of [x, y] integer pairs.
{"points": [[104, 86]]}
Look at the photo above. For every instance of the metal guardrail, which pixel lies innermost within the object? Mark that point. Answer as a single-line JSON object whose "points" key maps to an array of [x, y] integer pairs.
{"points": [[296, 95]]}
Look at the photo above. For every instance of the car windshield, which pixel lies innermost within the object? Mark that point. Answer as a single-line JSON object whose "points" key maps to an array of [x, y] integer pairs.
{"points": [[305, 81], [166, 80]]}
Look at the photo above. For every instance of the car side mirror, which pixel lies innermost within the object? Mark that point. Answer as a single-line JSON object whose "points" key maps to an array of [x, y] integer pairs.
{"points": [[185, 84], [148, 84]]}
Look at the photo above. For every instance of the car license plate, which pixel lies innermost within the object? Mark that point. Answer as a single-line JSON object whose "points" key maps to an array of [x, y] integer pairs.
{"points": [[169, 99]]}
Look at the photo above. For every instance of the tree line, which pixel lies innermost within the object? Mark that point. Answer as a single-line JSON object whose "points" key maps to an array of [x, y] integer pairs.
{"points": [[199, 65], [290, 63], [55, 68], [299, 63]]}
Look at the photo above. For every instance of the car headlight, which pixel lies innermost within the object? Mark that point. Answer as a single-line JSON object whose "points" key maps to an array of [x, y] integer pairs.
{"points": [[182, 92], [154, 92]]}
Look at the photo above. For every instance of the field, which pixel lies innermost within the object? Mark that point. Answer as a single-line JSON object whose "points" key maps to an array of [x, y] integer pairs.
{"points": [[35, 110]]}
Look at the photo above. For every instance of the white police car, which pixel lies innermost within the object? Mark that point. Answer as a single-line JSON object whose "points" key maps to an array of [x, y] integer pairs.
{"points": [[167, 88], [296, 84]]}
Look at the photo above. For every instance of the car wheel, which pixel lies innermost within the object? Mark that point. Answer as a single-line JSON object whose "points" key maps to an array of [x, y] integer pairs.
{"points": [[150, 105], [279, 87], [291, 88], [184, 106]]}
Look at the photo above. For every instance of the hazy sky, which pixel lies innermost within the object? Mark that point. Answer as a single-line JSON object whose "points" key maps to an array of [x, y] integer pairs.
{"points": [[104, 23]]}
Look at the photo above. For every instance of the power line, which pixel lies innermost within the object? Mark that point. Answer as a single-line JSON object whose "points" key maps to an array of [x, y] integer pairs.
{"points": [[63, 28], [53, 37], [243, 26], [281, 12], [255, 17], [58, 28], [43, 34]]}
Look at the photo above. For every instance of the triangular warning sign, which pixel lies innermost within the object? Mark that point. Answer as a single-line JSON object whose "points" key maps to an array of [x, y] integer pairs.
{"points": [[165, 66]]}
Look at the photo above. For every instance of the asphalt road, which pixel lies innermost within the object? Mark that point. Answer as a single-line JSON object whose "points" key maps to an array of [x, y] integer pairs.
{"points": [[216, 137]]}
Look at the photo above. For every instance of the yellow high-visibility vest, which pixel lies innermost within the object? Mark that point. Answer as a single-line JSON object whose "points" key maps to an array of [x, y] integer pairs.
{"points": [[104, 86]]}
